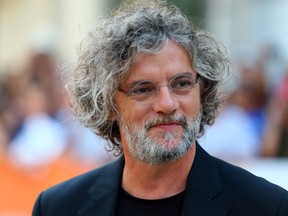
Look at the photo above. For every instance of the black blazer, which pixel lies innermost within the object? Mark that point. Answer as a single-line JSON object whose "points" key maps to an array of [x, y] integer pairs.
{"points": [[214, 188]]}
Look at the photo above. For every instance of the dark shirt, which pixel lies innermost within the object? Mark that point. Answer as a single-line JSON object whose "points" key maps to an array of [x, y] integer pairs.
{"points": [[130, 206]]}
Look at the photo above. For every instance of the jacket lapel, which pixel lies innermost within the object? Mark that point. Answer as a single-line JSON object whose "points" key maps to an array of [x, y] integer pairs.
{"points": [[104, 192], [203, 187]]}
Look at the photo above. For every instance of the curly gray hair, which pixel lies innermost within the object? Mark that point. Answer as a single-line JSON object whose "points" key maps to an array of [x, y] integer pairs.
{"points": [[108, 52]]}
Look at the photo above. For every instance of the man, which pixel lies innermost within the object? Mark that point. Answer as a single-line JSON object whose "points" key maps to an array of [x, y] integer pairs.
{"points": [[149, 82]]}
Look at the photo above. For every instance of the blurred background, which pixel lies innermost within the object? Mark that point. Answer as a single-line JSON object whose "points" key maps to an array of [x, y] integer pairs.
{"points": [[42, 144]]}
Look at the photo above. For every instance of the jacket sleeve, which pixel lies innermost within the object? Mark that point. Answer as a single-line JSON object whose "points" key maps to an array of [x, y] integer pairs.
{"points": [[283, 210], [37, 206]]}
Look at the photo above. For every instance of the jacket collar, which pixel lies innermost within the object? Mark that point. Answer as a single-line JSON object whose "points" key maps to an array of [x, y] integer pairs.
{"points": [[104, 192], [203, 187]]}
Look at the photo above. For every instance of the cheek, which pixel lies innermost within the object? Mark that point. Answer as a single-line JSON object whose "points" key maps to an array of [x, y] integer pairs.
{"points": [[128, 110], [191, 109], [134, 112], [191, 106]]}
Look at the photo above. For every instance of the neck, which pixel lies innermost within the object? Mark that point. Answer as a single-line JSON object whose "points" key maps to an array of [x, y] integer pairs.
{"points": [[157, 181]]}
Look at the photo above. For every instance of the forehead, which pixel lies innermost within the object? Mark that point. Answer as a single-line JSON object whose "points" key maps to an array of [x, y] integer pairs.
{"points": [[170, 60]]}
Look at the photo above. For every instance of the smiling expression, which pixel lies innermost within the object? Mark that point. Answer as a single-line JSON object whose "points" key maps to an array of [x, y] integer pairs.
{"points": [[164, 127]]}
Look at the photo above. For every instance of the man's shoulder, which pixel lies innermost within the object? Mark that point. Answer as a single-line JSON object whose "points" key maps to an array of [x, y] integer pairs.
{"points": [[244, 182], [77, 189], [85, 180], [81, 181], [242, 189]]}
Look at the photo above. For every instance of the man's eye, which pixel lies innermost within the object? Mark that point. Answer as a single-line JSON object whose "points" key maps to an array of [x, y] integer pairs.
{"points": [[182, 84], [143, 90]]}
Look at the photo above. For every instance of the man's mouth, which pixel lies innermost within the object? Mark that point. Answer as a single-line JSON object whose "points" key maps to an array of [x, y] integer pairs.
{"points": [[167, 125]]}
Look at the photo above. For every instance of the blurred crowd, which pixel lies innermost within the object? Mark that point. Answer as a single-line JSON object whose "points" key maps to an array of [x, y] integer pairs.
{"points": [[254, 120], [36, 122], [41, 143]]}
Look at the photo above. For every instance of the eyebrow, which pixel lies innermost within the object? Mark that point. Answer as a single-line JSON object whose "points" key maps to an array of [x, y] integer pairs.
{"points": [[132, 84]]}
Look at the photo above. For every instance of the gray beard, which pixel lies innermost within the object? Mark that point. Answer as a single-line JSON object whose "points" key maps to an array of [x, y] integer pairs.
{"points": [[148, 150]]}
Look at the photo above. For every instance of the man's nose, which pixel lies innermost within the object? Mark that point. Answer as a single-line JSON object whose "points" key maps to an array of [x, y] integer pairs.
{"points": [[165, 102]]}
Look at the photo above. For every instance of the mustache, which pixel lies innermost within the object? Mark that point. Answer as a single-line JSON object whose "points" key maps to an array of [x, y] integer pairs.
{"points": [[176, 118]]}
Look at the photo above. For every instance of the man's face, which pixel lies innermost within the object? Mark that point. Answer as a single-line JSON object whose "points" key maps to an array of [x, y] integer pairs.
{"points": [[159, 122]]}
